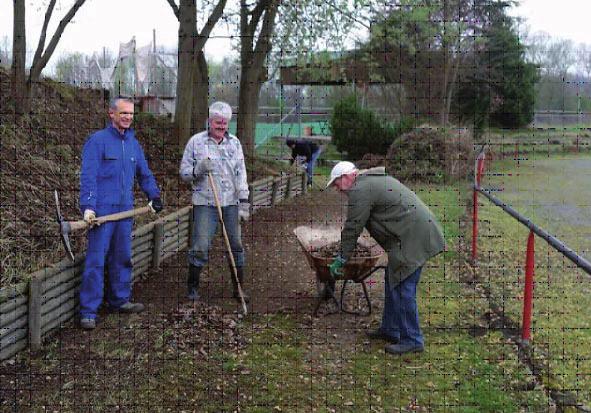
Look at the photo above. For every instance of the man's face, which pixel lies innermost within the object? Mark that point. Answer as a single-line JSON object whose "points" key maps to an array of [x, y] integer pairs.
{"points": [[122, 116], [218, 127], [345, 182]]}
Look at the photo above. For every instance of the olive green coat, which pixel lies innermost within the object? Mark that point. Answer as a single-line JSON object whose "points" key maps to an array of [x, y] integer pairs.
{"points": [[396, 218]]}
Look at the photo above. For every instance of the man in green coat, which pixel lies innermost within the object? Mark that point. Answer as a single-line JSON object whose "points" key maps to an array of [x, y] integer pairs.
{"points": [[409, 233]]}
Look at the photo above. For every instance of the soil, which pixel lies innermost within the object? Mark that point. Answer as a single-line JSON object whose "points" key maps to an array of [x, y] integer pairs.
{"points": [[77, 367]]}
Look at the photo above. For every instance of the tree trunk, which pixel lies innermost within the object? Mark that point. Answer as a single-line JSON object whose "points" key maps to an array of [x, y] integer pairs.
{"points": [[252, 61], [200, 93], [19, 53], [248, 104], [184, 87]]}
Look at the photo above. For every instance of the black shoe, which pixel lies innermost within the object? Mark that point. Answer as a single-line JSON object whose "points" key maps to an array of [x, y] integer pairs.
{"points": [[193, 282], [399, 349], [235, 293], [378, 334]]}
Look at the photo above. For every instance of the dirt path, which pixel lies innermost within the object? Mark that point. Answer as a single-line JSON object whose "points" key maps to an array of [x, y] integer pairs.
{"points": [[126, 357]]}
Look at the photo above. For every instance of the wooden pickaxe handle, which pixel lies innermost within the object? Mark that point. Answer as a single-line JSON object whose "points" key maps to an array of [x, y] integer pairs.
{"points": [[78, 225]]}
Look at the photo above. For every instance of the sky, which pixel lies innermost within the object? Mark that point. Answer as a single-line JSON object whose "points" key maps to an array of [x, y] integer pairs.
{"points": [[105, 23], [567, 19]]}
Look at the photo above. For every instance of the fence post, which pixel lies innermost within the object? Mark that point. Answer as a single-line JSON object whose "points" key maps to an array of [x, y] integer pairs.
{"points": [[288, 187], [158, 240], [479, 168], [35, 313], [304, 183], [528, 292], [274, 189]]}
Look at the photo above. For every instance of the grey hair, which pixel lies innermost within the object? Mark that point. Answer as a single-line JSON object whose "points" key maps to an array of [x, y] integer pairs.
{"points": [[221, 109], [113, 102]]}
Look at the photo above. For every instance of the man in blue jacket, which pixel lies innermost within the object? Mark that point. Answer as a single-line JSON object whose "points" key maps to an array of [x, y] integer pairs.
{"points": [[112, 158]]}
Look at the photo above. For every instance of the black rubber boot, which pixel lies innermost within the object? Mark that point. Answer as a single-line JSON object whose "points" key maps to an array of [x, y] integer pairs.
{"points": [[235, 294], [193, 282]]}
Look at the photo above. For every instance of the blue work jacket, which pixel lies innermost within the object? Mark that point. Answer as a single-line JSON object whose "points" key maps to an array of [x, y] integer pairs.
{"points": [[110, 163]]}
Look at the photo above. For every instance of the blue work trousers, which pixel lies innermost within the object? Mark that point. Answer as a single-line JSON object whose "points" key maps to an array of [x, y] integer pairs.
{"points": [[205, 224], [310, 165], [401, 316], [109, 245]]}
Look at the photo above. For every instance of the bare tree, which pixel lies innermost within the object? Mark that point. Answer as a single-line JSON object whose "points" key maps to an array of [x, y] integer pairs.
{"points": [[192, 81], [255, 45], [21, 88]]}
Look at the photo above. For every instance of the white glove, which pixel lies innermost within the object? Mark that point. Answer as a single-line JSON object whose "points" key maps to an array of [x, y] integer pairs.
{"points": [[203, 167], [90, 217], [244, 211]]}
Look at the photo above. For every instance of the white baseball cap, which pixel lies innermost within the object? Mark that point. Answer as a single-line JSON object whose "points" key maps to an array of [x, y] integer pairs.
{"points": [[221, 109], [340, 169]]}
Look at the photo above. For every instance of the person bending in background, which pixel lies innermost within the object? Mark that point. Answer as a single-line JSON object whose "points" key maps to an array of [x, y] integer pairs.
{"points": [[310, 151]]}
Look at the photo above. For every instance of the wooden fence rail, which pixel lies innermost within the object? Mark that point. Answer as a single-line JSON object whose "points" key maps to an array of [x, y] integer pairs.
{"points": [[31, 310]]}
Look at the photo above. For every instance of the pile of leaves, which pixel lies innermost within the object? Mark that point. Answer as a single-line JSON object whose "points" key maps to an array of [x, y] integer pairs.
{"points": [[431, 155], [334, 249]]}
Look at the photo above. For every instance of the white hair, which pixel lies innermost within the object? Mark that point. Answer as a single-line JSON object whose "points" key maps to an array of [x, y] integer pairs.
{"points": [[221, 109]]}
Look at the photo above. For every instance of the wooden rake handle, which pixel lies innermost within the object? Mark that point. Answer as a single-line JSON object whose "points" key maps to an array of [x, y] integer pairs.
{"points": [[232, 262]]}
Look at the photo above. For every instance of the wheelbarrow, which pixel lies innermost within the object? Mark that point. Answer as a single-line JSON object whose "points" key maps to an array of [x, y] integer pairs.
{"points": [[357, 269]]}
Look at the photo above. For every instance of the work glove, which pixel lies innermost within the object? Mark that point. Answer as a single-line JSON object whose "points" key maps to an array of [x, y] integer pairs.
{"points": [[202, 167], [156, 205], [244, 211], [336, 267], [90, 217]]}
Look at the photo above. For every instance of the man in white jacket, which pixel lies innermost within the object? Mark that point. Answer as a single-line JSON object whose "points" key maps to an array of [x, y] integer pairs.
{"points": [[217, 152]]}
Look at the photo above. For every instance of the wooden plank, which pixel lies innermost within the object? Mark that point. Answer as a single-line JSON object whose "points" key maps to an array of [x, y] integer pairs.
{"points": [[10, 318], [55, 302], [179, 240], [142, 248], [63, 277], [17, 323], [66, 311], [11, 304], [142, 240], [7, 293], [14, 337], [143, 230], [9, 351], [158, 239], [35, 286], [137, 259], [60, 289]]}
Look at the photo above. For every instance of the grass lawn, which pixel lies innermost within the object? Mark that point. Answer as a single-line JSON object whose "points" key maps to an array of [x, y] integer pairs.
{"points": [[554, 193], [292, 365]]}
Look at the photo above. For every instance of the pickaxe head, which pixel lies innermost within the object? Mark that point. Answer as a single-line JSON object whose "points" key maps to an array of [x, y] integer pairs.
{"points": [[64, 227]]}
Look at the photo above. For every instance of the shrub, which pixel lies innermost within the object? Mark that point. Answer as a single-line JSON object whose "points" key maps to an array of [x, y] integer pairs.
{"points": [[358, 131]]}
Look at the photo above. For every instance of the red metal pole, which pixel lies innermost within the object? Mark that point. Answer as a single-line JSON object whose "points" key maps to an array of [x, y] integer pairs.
{"points": [[477, 178], [528, 293]]}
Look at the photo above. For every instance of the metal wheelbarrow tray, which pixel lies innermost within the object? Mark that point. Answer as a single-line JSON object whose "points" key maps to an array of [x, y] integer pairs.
{"points": [[357, 269]]}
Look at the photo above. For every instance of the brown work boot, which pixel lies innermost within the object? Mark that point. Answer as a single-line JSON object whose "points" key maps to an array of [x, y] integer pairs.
{"points": [[235, 293], [130, 307]]}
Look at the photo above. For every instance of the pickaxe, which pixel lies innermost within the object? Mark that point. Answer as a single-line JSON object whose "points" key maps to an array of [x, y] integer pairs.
{"points": [[66, 227]]}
